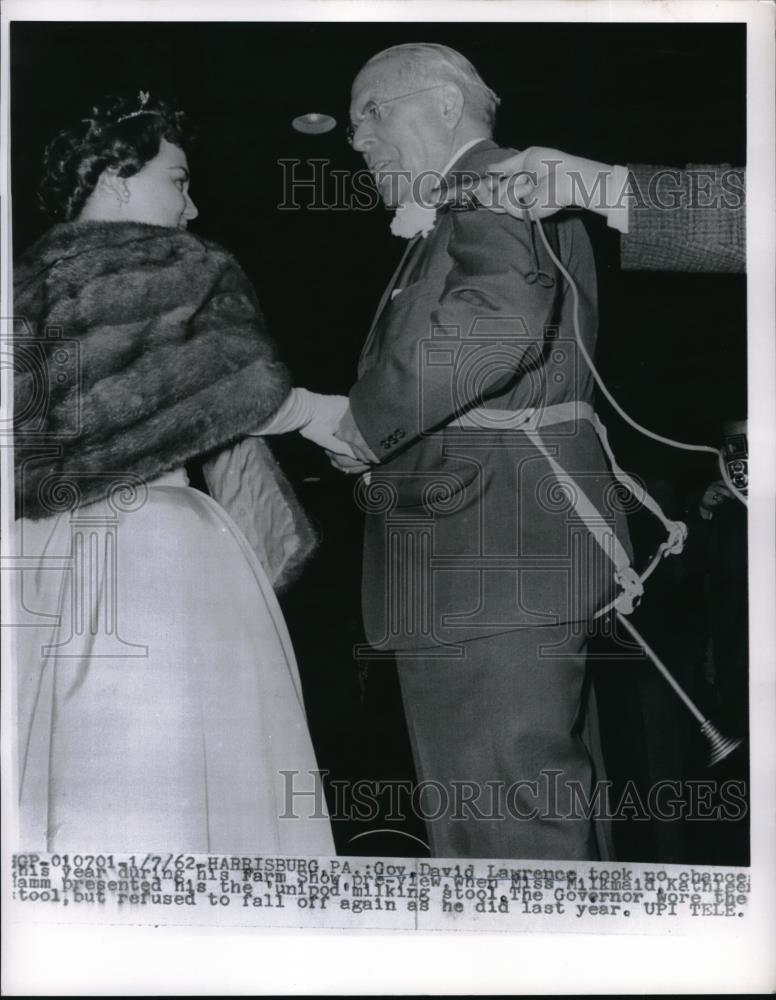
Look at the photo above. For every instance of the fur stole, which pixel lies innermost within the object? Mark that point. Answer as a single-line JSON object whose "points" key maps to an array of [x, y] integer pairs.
{"points": [[136, 349]]}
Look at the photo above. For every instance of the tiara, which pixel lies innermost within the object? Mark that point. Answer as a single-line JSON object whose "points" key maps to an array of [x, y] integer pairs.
{"points": [[143, 97]]}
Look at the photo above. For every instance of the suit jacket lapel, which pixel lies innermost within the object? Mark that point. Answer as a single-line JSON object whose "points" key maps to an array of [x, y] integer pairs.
{"points": [[405, 259], [386, 297]]}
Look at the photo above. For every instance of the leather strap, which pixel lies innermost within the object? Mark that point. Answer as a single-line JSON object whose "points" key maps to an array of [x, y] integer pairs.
{"points": [[530, 421]]}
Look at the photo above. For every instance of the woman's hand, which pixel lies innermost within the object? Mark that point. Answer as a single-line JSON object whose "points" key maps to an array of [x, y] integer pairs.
{"points": [[325, 419], [349, 434]]}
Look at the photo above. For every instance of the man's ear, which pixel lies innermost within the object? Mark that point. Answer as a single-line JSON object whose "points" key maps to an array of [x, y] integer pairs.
{"points": [[112, 186], [452, 105]]}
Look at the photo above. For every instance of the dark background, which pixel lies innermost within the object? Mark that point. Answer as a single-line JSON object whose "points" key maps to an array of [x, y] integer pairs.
{"points": [[672, 348]]}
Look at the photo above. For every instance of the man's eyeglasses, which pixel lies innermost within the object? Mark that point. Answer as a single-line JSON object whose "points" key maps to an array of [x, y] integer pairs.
{"points": [[373, 110]]}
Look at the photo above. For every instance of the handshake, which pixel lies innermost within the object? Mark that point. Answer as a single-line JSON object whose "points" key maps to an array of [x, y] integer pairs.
{"points": [[327, 421]]}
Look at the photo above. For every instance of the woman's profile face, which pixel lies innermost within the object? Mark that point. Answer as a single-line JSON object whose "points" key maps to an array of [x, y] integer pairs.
{"points": [[159, 192]]}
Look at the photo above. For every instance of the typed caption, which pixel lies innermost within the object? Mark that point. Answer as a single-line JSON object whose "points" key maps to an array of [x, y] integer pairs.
{"points": [[374, 893]]}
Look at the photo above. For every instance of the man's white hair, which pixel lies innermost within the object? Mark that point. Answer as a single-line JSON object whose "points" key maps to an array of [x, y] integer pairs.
{"points": [[422, 63]]}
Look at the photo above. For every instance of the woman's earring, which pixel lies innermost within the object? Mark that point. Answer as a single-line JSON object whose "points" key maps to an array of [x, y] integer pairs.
{"points": [[114, 187]]}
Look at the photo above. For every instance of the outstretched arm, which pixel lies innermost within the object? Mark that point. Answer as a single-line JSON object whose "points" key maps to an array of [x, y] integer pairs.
{"points": [[540, 181], [314, 415], [671, 219]]}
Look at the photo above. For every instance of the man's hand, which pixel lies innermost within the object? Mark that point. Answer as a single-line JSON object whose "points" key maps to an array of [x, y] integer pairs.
{"points": [[351, 466], [545, 181], [324, 419], [349, 433]]}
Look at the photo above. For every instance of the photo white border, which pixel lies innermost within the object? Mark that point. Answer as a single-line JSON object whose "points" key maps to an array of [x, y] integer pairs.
{"points": [[73, 960]]}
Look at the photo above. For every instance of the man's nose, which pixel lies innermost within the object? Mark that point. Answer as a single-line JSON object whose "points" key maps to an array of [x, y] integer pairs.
{"points": [[363, 137], [191, 211]]}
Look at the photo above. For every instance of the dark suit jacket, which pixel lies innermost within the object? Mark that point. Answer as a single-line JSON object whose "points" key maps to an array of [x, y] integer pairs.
{"points": [[467, 533]]}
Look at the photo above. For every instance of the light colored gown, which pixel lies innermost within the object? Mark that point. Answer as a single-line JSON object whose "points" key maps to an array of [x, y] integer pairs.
{"points": [[168, 706]]}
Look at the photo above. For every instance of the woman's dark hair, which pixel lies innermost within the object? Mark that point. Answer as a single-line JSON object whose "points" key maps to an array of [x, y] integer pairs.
{"points": [[123, 133]]}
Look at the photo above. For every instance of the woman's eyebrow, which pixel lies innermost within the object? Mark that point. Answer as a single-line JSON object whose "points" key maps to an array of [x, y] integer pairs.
{"points": [[185, 171]]}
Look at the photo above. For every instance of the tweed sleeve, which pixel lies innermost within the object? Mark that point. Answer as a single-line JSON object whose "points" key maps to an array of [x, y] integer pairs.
{"points": [[685, 220]]}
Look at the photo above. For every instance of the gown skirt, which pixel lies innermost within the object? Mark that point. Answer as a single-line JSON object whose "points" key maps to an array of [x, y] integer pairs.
{"points": [[159, 702]]}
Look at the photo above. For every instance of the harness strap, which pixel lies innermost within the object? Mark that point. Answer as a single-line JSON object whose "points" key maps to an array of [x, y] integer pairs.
{"points": [[530, 421]]}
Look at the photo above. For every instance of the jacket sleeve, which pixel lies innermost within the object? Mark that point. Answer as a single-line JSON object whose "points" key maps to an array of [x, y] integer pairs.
{"points": [[446, 354], [685, 220]]}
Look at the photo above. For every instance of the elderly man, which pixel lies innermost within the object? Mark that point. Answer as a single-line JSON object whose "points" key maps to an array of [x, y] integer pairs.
{"points": [[479, 575]]}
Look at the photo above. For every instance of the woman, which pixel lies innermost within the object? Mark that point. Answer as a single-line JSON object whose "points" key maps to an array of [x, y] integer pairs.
{"points": [[159, 699]]}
